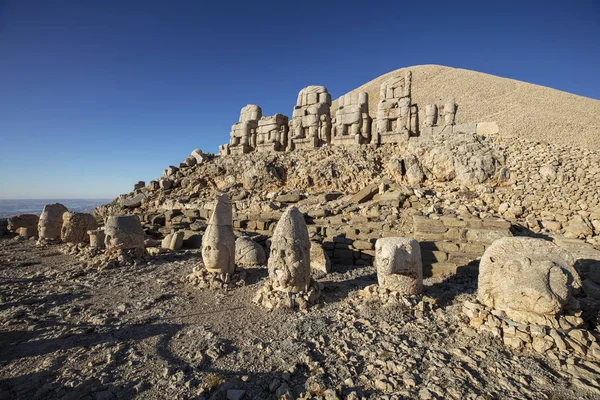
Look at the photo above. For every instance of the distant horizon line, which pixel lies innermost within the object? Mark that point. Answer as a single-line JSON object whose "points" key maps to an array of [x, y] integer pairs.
{"points": [[60, 198]]}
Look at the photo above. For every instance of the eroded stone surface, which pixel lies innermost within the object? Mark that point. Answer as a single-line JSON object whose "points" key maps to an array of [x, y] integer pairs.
{"points": [[75, 227], [124, 232], [531, 280], [51, 221], [248, 252], [399, 266], [218, 242], [25, 225]]}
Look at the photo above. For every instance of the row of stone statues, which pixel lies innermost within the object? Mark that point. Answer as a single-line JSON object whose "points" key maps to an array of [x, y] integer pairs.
{"points": [[312, 124]]}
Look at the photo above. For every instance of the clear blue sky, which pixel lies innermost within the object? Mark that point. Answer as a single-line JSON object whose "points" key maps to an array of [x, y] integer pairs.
{"points": [[96, 95]]}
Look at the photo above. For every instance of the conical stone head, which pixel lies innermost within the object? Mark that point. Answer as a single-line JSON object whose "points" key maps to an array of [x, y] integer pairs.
{"points": [[289, 263], [218, 242]]}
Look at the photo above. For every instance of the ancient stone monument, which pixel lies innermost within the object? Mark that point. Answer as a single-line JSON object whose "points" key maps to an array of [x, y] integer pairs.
{"points": [[272, 133], [396, 116], [51, 221], [243, 133], [75, 227], [531, 280], [289, 284], [218, 242], [352, 124], [311, 119], [26, 225], [124, 232], [399, 266], [289, 262]]}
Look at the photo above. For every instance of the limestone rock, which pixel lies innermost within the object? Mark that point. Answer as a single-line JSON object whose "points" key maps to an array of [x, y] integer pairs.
{"points": [[289, 262], [124, 232], [218, 242], [75, 227], [97, 238], [399, 266], [139, 185], [531, 280], [578, 227], [248, 252], [51, 221], [173, 241], [199, 156], [25, 225], [320, 264]]}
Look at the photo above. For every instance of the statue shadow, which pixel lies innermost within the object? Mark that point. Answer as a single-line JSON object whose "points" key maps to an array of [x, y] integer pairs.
{"points": [[447, 288]]}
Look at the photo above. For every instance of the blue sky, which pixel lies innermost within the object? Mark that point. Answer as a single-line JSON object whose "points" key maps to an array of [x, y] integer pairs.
{"points": [[96, 95]]}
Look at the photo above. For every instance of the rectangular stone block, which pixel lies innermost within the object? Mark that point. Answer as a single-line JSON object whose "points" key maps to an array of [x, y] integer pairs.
{"points": [[474, 248], [487, 128], [429, 255], [485, 236], [464, 128], [343, 254], [496, 223], [365, 194], [363, 245], [453, 222]]}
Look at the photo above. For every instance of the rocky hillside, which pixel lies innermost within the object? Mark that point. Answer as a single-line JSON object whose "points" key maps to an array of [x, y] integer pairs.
{"points": [[521, 109]]}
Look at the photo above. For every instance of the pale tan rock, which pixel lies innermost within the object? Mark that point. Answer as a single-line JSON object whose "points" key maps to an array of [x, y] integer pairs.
{"points": [[396, 116], [51, 220], [243, 132], [75, 227], [218, 242], [248, 252], [124, 232], [352, 124], [310, 126], [289, 261], [320, 263], [487, 128], [97, 238], [24, 224], [531, 280], [173, 241], [399, 266]]}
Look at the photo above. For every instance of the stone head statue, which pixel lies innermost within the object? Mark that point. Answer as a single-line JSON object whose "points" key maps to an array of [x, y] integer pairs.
{"points": [[530, 279]]}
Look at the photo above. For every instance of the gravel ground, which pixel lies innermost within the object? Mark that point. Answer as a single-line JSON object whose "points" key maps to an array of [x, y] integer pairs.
{"points": [[71, 332]]}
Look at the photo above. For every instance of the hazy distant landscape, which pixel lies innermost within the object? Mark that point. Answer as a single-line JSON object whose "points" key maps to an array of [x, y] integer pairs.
{"points": [[11, 207]]}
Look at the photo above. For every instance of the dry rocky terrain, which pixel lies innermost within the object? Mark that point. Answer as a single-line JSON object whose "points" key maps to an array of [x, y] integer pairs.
{"points": [[91, 319]]}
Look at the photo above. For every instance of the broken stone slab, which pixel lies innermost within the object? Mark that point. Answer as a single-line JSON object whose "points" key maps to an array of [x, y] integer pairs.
{"points": [[365, 194], [97, 238], [173, 241], [132, 202], [399, 265], [487, 128], [531, 280], [289, 198], [320, 263]]}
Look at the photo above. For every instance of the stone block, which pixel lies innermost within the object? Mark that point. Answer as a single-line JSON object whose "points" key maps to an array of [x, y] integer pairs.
{"points": [[487, 128], [464, 128]]}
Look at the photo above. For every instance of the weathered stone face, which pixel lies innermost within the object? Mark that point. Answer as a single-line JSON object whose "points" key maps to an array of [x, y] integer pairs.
{"points": [[75, 227], [289, 262], [124, 232], [399, 266], [531, 280], [24, 224], [244, 131], [396, 116], [218, 242], [51, 221]]}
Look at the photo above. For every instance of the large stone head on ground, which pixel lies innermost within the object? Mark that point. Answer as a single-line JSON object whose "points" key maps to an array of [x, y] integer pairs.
{"points": [[218, 242], [75, 227], [124, 232], [289, 262], [399, 266], [51, 221], [531, 280]]}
